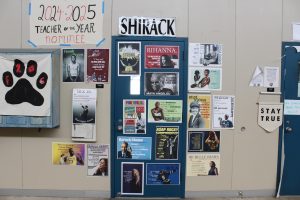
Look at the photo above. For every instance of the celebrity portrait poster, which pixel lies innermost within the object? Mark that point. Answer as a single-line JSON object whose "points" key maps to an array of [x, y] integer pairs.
{"points": [[204, 141], [205, 54], [223, 111], [68, 154], [26, 87], [158, 56], [204, 79], [132, 178], [97, 159], [167, 141], [138, 147], [163, 174], [73, 65], [129, 58], [164, 111], [161, 84], [203, 165], [134, 116], [97, 65], [199, 107], [84, 114]]}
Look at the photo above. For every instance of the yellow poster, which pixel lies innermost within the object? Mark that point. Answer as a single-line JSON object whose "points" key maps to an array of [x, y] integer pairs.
{"points": [[199, 107], [68, 154]]}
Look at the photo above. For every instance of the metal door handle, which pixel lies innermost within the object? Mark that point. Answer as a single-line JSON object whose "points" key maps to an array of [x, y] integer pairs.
{"points": [[288, 129]]}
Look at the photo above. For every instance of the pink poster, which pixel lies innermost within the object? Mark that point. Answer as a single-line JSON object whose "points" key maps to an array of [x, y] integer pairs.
{"points": [[161, 56]]}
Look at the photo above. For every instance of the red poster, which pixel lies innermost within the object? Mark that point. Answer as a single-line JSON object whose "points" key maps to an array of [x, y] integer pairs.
{"points": [[97, 65], [161, 56]]}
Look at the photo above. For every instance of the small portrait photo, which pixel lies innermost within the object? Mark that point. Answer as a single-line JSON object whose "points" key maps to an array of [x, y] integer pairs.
{"points": [[161, 84], [211, 54], [132, 178], [73, 65], [212, 141], [125, 150], [196, 141], [102, 168]]}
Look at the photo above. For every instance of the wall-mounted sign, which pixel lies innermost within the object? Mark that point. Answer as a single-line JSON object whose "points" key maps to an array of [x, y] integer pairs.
{"points": [[59, 22], [147, 26], [270, 115]]}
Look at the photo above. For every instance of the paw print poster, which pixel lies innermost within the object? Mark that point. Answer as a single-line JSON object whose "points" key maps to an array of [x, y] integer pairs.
{"points": [[26, 84]]}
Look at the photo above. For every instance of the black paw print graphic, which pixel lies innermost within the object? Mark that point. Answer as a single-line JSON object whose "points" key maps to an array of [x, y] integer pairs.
{"points": [[23, 91]]}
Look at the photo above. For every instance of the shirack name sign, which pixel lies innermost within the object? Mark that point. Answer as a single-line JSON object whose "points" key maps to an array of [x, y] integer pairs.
{"points": [[270, 115], [147, 26]]}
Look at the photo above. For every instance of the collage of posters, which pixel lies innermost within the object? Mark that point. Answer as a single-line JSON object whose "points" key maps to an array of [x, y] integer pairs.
{"points": [[159, 76], [84, 114], [90, 65]]}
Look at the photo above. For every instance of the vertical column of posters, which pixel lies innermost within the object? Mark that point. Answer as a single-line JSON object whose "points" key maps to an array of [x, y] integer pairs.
{"points": [[165, 111], [132, 178], [167, 141], [158, 56], [204, 141], [223, 111], [199, 111], [68, 154], [97, 65], [203, 164], [73, 65], [134, 116], [97, 163], [84, 114], [163, 174], [129, 58]]}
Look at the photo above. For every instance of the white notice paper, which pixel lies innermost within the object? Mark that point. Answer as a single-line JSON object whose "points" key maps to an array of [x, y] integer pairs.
{"points": [[257, 78], [271, 77], [296, 31], [291, 107]]}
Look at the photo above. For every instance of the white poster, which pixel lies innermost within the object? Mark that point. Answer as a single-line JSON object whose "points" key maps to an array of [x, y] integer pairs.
{"points": [[26, 84], [223, 111], [257, 78], [58, 22], [204, 79], [97, 159], [203, 165], [270, 116], [84, 114], [291, 107], [205, 54], [271, 77]]}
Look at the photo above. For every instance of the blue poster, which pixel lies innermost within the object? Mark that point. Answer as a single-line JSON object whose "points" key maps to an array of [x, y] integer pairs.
{"points": [[163, 174], [138, 148]]}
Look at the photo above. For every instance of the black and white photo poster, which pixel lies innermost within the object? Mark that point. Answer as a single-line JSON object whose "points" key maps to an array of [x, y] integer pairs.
{"points": [[223, 111], [97, 159], [84, 114], [205, 54]]}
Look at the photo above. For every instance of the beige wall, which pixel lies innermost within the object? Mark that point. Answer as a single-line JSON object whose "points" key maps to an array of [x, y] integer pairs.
{"points": [[251, 33]]}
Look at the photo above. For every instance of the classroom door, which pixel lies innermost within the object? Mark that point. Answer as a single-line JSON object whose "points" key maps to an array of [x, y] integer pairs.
{"points": [[290, 130], [148, 106]]}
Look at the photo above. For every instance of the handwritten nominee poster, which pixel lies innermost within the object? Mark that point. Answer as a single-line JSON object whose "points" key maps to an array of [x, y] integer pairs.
{"points": [[59, 22]]}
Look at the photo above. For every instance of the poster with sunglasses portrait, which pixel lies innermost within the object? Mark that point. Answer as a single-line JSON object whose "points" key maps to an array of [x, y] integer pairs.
{"points": [[161, 83], [129, 58]]}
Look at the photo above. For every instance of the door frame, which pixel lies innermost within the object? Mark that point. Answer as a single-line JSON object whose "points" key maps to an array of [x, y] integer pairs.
{"points": [[114, 72]]}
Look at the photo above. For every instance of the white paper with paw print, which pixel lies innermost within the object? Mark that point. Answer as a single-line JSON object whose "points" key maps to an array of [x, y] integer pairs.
{"points": [[44, 64]]}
